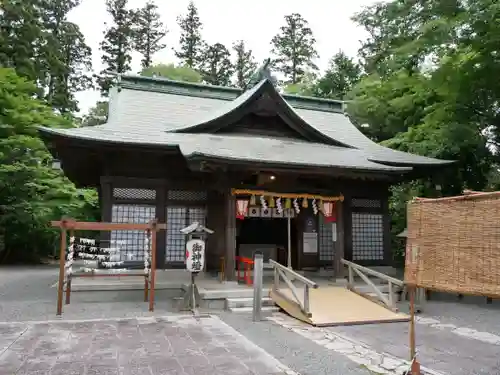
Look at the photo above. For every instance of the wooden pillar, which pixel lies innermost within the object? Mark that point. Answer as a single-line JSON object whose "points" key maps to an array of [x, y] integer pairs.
{"points": [[230, 230], [388, 257], [339, 244]]}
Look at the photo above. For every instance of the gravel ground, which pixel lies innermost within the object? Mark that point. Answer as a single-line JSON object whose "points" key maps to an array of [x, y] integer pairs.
{"points": [[298, 353]]}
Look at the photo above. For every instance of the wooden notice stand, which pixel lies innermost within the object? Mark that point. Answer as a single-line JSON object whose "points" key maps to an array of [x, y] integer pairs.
{"points": [[67, 224]]}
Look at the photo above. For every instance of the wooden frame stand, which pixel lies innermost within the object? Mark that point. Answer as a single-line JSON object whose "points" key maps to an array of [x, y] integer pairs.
{"points": [[67, 224]]}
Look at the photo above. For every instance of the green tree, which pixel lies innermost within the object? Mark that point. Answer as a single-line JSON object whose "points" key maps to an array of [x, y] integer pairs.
{"points": [[117, 43], [170, 71], [21, 35], [244, 64], [430, 90], [294, 49], [149, 32], [217, 68], [190, 43], [96, 115], [31, 192], [340, 77], [67, 57]]}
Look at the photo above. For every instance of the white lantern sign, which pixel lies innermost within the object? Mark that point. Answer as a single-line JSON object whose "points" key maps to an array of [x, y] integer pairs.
{"points": [[195, 255]]}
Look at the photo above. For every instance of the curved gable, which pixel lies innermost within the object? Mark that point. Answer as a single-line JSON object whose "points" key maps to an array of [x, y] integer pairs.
{"points": [[262, 100]]}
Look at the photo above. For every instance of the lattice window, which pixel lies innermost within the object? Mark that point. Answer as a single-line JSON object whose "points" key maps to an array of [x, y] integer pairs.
{"points": [[367, 236], [187, 195], [126, 193], [366, 203], [131, 241], [179, 217], [326, 244]]}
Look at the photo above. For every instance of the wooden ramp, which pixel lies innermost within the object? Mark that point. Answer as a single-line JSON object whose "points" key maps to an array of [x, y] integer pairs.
{"points": [[334, 306]]}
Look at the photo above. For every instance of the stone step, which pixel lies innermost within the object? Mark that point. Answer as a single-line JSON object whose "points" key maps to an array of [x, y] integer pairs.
{"points": [[246, 302], [248, 310], [230, 293]]}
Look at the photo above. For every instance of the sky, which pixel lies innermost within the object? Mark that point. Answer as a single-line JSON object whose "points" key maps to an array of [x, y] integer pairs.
{"points": [[226, 21]]}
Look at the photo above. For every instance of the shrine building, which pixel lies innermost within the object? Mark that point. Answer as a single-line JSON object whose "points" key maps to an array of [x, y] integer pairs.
{"points": [[287, 175]]}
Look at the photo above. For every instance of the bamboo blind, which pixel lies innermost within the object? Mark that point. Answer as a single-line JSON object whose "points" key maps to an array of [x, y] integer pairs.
{"points": [[453, 244]]}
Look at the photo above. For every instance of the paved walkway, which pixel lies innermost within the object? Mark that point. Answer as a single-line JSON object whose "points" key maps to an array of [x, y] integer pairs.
{"points": [[152, 346], [442, 347]]}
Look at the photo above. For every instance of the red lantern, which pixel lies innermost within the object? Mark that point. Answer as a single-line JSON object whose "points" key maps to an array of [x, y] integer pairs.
{"points": [[329, 212], [241, 209]]}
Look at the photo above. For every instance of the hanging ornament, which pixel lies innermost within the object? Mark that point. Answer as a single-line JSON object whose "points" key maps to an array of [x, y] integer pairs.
{"points": [[252, 201], [271, 202], [320, 206], [279, 206], [241, 208], [296, 206], [263, 202], [314, 207], [329, 212], [304, 203], [288, 203]]}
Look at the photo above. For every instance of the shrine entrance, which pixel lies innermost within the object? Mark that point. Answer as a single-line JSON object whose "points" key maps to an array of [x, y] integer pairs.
{"points": [[269, 236]]}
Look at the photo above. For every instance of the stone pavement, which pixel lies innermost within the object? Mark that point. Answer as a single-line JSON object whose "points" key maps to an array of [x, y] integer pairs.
{"points": [[442, 348], [145, 346]]}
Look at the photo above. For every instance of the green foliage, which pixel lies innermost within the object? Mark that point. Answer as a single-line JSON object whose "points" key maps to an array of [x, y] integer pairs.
{"points": [[97, 115], [148, 32], [244, 64], [31, 192], [216, 68], [430, 90], [39, 42], [170, 71], [190, 44], [293, 49], [117, 43]]}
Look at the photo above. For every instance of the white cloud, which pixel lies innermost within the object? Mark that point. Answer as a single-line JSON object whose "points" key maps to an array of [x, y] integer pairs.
{"points": [[225, 21]]}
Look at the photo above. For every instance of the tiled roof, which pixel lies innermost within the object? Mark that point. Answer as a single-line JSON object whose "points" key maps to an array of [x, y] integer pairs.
{"points": [[150, 115], [236, 147]]}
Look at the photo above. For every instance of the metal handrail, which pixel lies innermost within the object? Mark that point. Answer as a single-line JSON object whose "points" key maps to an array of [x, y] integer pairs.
{"points": [[281, 270]]}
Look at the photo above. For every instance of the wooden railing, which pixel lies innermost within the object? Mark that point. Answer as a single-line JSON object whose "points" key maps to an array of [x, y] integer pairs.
{"points": [[287, 274], [394, 285]]}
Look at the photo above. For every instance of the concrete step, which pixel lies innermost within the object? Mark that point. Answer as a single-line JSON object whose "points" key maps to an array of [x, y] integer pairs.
{"points": [[230, 293], [246, 302], [248, 310]]}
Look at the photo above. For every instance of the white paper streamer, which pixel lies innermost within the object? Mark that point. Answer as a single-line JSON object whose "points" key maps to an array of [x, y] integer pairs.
{"points": [[147, 251], [315, 207], [279, 206], [87, 241], [296, 206], [96, 270], [68, 265], [263, 202]]}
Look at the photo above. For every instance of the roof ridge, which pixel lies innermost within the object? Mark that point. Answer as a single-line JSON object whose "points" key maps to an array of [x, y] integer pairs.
{"points": [[231, 93]]}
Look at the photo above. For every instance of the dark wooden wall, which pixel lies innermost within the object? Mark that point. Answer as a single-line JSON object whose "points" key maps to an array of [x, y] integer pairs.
{"points": [[164, 173]]}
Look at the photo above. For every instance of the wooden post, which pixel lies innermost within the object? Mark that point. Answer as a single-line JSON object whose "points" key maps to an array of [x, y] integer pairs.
{"points": [[153, 266], [62, 263], [415, 366]]}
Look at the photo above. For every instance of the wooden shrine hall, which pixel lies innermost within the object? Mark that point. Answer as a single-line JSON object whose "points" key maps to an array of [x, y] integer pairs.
{"points": [[284, 174]]}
